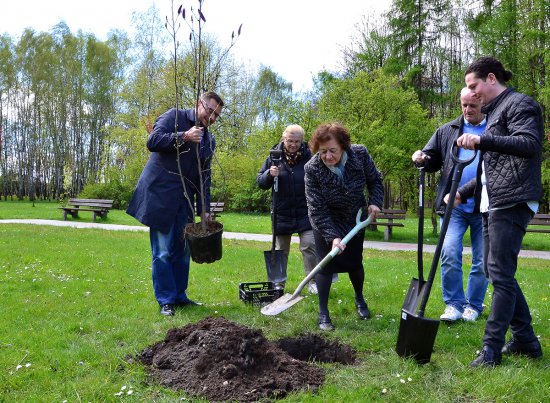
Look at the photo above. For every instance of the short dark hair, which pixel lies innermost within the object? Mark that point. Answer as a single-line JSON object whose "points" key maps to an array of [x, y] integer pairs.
{"points": [[488, 64], [212, 95], [326, 131]]}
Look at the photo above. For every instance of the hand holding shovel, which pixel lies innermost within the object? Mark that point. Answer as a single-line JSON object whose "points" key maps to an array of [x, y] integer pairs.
{"points": [[288, 300]]}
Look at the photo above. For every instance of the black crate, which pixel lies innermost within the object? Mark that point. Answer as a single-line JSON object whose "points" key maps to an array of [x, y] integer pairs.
{"points": [[261, 293]]}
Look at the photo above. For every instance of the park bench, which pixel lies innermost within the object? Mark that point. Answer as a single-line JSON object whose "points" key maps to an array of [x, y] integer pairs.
{"points": [[216, 208], [539, 223], [99, 207], [388, 218]]}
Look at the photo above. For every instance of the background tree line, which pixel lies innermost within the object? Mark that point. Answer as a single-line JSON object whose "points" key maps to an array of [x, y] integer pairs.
{"points": [[75, 111]]}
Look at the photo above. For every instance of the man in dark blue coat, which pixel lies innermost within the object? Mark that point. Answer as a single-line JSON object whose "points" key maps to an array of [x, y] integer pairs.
{"points": [[165, 194]]}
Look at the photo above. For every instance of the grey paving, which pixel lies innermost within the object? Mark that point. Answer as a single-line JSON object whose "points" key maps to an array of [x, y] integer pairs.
{"points": [[390, 246]]}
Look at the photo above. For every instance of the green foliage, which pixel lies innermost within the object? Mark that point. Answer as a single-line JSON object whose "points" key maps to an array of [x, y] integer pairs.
{"points": [[93, 101], [272, 92], [119, 192], [381, 115], [234, 182]]}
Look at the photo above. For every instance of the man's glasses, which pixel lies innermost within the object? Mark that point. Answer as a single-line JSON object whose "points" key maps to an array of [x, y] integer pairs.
{"points": [[208, 109]]}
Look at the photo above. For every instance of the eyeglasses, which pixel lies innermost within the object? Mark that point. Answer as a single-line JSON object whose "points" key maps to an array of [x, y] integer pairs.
{"points": [[210, 110]]}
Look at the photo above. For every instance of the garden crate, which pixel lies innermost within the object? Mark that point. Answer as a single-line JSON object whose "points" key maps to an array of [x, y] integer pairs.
{"points": [[260, 293]]}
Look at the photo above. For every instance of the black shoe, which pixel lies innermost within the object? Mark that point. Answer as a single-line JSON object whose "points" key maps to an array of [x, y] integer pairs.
{"points": [[325, 322], [488, 357], [362, 310], [187, 303], [531, 350], [167, 310]]}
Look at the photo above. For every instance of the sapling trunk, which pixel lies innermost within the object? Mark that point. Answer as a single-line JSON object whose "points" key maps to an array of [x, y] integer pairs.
{"points": [[199, 71]]}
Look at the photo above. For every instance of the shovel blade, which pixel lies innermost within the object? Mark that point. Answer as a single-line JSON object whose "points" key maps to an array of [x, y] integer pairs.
{"points": [[416, 337], [281, 304], [275, 263], [414, 296]]}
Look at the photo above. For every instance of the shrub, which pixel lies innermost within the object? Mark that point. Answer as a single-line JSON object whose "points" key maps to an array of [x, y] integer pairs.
{"points": [[120, 193]]}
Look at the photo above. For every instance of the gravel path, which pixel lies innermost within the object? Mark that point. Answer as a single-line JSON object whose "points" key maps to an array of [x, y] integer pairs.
{"points": [[391, 246]]}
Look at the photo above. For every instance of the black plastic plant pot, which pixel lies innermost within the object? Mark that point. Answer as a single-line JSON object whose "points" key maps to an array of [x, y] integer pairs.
{"points": [[206, 247], [416, 337]]}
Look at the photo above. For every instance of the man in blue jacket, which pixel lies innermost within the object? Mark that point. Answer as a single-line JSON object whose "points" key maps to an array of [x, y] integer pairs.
{"points": [[164, 204], [509, 183]]}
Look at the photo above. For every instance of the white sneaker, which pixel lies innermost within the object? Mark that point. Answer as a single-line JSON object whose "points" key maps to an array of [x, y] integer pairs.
{"points": [[312, 288], [451, 314], [470, 314], [335, 277]]}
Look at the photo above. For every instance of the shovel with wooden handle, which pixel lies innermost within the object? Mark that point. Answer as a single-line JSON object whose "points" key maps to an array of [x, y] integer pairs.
{"points": [[286, 301]]}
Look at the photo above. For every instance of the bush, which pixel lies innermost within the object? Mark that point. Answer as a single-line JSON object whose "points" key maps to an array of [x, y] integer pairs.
{"points": [[120, 193], [234, 182]]}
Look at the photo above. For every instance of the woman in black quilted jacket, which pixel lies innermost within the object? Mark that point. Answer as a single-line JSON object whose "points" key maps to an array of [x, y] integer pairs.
{"points": [[336, 178], [289, 203]]}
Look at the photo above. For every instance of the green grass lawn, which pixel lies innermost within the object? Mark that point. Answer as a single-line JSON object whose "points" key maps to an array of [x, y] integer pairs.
{"points": [[246, 222], [77, 305]]}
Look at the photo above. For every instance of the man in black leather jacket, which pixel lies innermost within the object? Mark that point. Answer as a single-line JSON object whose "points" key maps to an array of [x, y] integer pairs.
{"points": [[508, 187]]}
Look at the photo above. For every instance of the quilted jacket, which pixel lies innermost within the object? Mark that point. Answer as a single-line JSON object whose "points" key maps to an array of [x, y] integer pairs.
{"points": [[290, 200], [511, 149], [333, 204]]}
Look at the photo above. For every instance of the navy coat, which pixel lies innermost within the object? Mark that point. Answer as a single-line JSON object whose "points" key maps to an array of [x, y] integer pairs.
{"points": [[159, 193], [290, 203]]}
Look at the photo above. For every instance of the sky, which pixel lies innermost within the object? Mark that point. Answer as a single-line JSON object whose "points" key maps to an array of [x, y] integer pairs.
{"points": [[295, 38]]}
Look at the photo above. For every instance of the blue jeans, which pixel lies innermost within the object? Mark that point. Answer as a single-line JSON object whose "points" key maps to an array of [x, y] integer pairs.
{"points": [[503, 232], [451, 262], [171, 257]]}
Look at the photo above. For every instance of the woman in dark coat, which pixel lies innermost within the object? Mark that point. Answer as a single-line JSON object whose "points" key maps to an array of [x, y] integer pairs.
{"points": [[336, 178], [290, 200]]}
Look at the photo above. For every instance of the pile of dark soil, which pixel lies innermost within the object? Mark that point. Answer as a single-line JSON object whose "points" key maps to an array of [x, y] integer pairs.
{"points": [[313, 347], [221, 360]]}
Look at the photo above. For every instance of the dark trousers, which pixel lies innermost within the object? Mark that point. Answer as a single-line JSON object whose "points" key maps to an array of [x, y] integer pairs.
{"points": [[503, 232]]}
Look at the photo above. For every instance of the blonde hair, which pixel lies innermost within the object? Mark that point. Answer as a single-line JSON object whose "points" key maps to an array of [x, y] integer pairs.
{"points": [[295, 129]]}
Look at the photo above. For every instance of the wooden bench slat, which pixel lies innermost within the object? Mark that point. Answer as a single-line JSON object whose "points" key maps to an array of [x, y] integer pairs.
{"points": [[387, 224], [73, 200], [539, 220], [387, 217], [540, 231]]}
